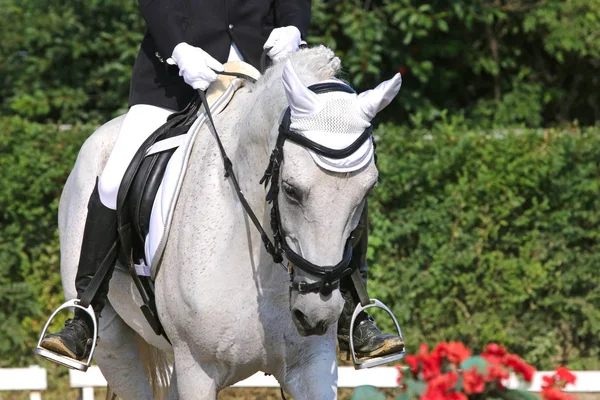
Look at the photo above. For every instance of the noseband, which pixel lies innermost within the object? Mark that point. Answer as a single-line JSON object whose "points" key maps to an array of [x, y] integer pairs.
{"points": [[328, 276]]}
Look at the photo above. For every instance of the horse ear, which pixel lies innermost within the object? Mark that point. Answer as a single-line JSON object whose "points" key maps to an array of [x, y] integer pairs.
{"points": [[374, 100], [302, 101]]}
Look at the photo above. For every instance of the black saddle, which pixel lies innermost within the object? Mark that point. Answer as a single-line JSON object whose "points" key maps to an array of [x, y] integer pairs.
{"points": [[141, 182], [136, 197]]}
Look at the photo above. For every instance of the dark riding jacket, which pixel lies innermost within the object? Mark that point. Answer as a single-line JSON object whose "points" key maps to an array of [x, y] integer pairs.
{"points": [[210, 25]]}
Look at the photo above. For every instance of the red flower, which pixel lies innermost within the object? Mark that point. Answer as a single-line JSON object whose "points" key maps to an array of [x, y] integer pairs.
{"points": [[455, 352], [549, 381], [439, 387], [402, 70], [458, 352], [565, 375], [400, 374], [473, 382], [494, 353], [433, 394], [494, 349], [443, 382], [432, 366], [552, 393], [439, 370], [428, 364], [496, 373], [456, 396], [413, 363], [519, 366]]}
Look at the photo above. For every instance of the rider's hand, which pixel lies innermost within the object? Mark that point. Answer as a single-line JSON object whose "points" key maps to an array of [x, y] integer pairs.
{"points": [[196, 66], [283, 42]]}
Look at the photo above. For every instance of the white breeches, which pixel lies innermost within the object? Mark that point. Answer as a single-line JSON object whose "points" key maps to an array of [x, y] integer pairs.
{"points": [[141, 121]]}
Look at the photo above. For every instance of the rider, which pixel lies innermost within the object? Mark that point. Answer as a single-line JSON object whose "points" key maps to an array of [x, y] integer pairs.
{"points": [[184, 45]]}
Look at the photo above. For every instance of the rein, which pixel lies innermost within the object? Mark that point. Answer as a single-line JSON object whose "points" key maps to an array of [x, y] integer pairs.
{"points": [[328, 276], [229, 173]]}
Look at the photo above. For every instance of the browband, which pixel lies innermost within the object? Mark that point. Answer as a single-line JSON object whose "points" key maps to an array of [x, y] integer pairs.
{"points": [[287, 133], [326, 87]]}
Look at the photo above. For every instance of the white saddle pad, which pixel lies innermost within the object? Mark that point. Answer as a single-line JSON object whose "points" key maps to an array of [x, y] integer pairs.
{"points": [[168, 191]]}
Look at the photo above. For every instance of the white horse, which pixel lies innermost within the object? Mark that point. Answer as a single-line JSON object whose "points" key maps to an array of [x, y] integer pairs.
{"points": [[226, 306]]}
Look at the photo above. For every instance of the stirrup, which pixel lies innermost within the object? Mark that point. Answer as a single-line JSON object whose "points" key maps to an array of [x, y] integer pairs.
{"points": [[375, 361], [64, 360]]}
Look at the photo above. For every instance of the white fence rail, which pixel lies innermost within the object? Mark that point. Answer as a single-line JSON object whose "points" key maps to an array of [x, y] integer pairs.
{"points": [[34, 379]]}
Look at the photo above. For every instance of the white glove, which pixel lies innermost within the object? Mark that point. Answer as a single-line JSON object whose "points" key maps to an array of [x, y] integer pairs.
{"points": [[196, 66], [283, 42]]}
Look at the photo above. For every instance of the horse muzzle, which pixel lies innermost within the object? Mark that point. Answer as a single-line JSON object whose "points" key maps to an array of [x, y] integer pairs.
{"points": [[306, 327]]}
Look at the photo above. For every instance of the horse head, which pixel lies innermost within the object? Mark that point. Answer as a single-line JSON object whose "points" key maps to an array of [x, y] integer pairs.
{"points": [[322, 170]]}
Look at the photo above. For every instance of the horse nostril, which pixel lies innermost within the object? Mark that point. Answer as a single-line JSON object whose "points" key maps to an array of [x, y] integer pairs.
{"points": [[300, 317], [321, 328]]}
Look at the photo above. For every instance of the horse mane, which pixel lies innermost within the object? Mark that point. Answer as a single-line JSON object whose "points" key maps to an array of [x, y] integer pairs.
{"points": [[318, 62]]}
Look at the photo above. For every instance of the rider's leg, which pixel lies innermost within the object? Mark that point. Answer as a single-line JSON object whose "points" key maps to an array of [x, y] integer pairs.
{"points": [[99, 235], [101, 229], [369, 341], [141, 121]]}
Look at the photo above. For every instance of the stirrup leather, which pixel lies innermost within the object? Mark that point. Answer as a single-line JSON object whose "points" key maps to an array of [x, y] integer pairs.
{"points": [[81, 365], [375, 361]]}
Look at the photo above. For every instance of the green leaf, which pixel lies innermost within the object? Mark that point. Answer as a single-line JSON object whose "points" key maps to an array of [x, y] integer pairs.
{"points": [[415, 388], [475, 361], [511, 394], [367, 393], [442, 25]]}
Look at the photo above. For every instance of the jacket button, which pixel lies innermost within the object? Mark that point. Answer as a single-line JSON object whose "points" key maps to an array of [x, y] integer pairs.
{"points": [[230, 27]]}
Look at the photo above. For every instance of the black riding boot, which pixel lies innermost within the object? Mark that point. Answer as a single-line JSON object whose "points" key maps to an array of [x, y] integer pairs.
{"points": [[99, 236], [369, 341]]}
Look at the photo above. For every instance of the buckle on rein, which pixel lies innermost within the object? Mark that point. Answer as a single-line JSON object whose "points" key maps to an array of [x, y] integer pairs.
{"points": [[81, 365]]}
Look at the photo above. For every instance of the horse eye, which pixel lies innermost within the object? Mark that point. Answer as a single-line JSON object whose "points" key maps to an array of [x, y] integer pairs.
{"points": [[292, 192]]}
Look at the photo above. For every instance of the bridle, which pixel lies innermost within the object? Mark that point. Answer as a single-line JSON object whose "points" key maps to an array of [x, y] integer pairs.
{"points": [[328, 277]]}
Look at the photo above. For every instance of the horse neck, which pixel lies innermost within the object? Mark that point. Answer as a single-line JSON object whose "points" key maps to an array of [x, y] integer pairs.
{"points": [[258, 131], [256, 134]]}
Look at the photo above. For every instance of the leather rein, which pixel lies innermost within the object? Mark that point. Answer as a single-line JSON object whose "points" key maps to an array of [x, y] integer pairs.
{"points": [[328, 276]]}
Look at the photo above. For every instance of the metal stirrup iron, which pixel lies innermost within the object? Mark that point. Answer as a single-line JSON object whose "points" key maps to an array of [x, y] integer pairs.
{"points": [[365, 303], [81, 365], [84, 305]]}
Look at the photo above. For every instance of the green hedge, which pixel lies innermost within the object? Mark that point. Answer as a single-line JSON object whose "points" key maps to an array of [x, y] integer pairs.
{"points": [[34, 163], [499, 62], [491, 236], [476, 236]]}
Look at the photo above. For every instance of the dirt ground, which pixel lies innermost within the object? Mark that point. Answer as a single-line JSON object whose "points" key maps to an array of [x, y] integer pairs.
{"points": [[273, 394], [343, 394], [227, 394]]}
